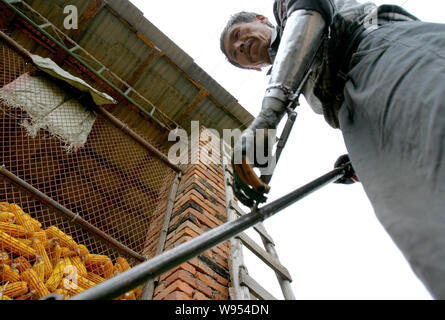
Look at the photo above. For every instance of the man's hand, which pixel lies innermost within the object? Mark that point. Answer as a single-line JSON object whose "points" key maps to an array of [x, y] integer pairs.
{"points": [[247, 186]]}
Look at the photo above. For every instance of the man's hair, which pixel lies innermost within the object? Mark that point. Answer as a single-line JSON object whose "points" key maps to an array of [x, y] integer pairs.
{"points": [[242, 16]]}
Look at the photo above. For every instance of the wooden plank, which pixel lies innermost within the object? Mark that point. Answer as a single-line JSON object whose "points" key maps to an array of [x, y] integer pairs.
{"points": [[254, 287], [259, 227], [264, 256]]}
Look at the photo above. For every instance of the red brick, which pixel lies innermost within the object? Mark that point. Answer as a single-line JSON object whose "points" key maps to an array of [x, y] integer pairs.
{"points": [[199, 296], [212, 283], [177, 295]]}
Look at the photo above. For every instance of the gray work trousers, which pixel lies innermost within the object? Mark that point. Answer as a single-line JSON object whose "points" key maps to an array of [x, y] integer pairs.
{"points": [[393, 124]]}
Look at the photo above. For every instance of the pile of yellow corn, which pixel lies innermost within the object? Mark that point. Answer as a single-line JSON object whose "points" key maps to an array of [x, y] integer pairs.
{"points": [[35, 262]]}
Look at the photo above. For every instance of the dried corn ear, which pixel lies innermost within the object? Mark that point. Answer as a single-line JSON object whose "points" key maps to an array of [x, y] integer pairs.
{"points": [[35, 284], [39, 269], [41, 253], [82, 250], [80, 267], [22, 218], [15, 289], [4, 258], [94, 277], [4, 297], [21, 264], [36, 224], [138, 293], [72, 291], [56, 277], [26, 242], [85, 283], [15, 246], [62, 292], [12, 229], [6, 216], [41, 235], [64, 239], [54, 253], [66, 252], [7, 274], [122, 264]]}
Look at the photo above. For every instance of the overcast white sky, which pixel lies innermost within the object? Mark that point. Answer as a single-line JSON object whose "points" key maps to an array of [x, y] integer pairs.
{"points": [[331, 242]]}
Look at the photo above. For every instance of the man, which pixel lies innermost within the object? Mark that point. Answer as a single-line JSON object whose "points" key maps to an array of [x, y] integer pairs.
{"points": [[377, 75]]}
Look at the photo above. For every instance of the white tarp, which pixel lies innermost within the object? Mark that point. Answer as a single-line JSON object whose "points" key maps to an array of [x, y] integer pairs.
{"points": [[50, 108]]}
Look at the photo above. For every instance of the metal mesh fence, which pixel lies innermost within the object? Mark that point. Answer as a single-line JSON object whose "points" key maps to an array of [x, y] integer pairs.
{"points": [[112, 183]]}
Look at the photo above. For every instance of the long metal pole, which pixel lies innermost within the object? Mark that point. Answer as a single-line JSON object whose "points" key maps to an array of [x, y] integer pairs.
{"points": [[152, 268]]}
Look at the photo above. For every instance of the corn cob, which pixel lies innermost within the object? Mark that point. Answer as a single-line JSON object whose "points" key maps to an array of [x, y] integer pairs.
{"points": [[26, 242], [6, 216], [128, 296], [12, 229], [122, 264], [21, 264], [39, 269], [22, 218], [27, 296], [138, 293], [94, 277], [4, 206], [80, 267], [95, 260], [85, 283], [72, 291], [64, 239], [41, 252], [4, 258], [15, 246], [35, 284], [62, 292], [7, 274], [54, 253], [36, 224], [82, 250], [66, 252], [15, 289], [41, 235], [56, 277]]}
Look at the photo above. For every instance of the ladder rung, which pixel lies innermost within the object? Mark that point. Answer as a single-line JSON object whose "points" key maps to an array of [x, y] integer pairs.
{"points": [[258, 227], [264, 256], [254, 287]]}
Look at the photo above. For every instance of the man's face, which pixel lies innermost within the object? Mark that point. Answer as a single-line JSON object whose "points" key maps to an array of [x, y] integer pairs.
{"points": [[246, 43]]}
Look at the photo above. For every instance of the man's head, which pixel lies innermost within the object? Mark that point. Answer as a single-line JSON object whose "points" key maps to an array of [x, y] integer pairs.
{"points": [[245, 40]]}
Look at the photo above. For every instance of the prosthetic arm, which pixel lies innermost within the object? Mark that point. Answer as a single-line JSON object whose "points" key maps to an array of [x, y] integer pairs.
{"points": [[306, 26]]}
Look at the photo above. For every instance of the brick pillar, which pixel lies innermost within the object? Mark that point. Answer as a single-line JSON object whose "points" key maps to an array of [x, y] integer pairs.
{"points": [[198, 207]]}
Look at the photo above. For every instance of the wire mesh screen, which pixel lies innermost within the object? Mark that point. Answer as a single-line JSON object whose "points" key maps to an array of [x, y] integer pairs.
{"points": [[111, 181]]}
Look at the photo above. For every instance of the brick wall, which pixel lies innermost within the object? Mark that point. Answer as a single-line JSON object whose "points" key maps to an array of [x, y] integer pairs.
{"points": [[198, 207]]}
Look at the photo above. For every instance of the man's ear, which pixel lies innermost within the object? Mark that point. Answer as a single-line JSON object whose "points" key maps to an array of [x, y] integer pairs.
{"points": [[262, 18]]}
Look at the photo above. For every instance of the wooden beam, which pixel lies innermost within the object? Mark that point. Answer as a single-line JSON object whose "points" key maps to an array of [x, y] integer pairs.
{"points": [[264, 256], [202, 94], [141, 68], [254, 287]]}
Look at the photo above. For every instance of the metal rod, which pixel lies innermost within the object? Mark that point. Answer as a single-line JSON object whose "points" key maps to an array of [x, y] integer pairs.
{"points": [[17, 47], [150, 286], [69, 214], [156, 266], [122, 126]]}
